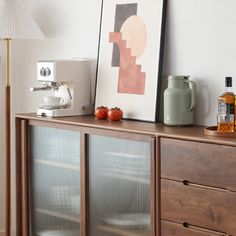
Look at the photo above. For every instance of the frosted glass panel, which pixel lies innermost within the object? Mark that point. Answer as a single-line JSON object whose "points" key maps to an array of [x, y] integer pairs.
{"points": [[55, 182], [119, 187]]}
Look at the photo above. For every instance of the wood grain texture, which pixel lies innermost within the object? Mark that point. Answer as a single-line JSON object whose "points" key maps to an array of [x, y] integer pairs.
{"points": [[18, 178], [204, 159], [92, 130], [206, 208], [174, 229], [194, 133], [202, 163], [212, 131], [24, 178]]}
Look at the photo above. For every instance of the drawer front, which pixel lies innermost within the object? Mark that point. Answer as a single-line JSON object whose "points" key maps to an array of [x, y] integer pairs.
{"points": [[174, 229], [207, 208], [202, 163]]}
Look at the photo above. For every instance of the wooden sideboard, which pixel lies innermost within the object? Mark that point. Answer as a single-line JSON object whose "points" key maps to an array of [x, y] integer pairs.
{"points": [[125, 178]]}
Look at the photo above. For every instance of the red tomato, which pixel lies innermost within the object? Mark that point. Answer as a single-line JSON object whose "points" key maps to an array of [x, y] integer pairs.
{"points": [[101, 112], [115, 114]]}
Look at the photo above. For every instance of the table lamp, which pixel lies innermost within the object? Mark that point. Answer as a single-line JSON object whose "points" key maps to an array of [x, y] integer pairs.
{"points": [[15, 23]]}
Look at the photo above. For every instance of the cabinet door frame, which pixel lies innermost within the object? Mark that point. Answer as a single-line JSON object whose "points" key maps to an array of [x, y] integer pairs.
{"points": [[85, 178], [23, 194], [22, 170]]}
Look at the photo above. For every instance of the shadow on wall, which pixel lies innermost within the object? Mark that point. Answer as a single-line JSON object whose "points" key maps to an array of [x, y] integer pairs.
{"points": [[164, 83], [49, 22], [203, 105]]}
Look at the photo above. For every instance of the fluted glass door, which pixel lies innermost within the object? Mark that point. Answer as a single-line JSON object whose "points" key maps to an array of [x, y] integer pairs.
{"points": [[54, 182], [119, 186]]}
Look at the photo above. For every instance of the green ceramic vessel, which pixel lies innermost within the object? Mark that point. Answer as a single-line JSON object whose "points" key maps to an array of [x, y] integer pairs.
{"points": [[179, 101]]}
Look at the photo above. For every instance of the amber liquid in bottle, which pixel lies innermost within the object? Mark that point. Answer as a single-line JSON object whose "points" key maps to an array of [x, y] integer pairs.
{"points": [[226, 109]]}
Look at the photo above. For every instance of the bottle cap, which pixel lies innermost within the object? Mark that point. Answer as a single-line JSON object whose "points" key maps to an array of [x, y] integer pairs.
{"points": [[228, 81]]}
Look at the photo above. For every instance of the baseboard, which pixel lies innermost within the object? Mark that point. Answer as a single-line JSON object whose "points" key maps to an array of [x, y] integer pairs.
{"points": [[13, 233]]}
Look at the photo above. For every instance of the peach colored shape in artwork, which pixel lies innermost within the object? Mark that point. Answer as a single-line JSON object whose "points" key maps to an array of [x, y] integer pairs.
{"points": [[135, 33], [131, 79]]}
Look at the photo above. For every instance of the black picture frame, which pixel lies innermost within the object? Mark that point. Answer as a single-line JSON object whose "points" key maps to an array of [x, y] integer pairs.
{"points": [[123, 20]]}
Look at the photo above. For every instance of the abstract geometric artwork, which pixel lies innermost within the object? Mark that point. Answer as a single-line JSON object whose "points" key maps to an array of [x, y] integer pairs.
{"points": [[130, 57], [131, 42], [129, 38]]}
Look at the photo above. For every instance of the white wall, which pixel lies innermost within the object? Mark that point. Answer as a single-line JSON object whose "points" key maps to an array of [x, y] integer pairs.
{"points": [[200, 41], [71, 28]]}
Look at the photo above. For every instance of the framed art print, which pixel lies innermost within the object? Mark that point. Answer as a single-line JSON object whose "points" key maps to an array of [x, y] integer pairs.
{"points": [[130, 57]]}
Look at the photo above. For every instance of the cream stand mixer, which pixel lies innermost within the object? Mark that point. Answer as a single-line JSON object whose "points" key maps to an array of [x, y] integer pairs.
{"points": [[70, 83]]}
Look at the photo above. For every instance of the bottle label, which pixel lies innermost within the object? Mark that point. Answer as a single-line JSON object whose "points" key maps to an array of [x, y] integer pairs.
{"points": [[225, 108], [221, 107]]}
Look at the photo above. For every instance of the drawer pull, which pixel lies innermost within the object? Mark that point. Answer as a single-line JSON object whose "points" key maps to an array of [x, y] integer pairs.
{"points": [[187, 183], [231, 189], [187, 225]]}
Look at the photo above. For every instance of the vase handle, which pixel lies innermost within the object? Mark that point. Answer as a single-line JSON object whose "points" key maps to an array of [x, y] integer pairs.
{"points": [[193, 95]]}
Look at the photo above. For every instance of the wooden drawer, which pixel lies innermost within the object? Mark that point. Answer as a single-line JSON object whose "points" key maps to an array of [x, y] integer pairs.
{"points": [[202, 163], [213, 209], [173, 229]]}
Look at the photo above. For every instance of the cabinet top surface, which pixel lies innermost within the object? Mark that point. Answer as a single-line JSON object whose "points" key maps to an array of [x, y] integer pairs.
{"points": [[194, 133]]}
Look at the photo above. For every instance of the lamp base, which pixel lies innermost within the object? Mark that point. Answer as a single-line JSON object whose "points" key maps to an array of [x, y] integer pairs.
{"points": [[8, 160]]}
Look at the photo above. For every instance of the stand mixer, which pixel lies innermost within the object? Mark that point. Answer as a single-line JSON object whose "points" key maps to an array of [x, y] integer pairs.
{"points": [[69, 80]]}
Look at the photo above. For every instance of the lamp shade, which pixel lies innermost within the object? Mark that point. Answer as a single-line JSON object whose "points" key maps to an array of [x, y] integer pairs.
{"points": [[16, 22]]}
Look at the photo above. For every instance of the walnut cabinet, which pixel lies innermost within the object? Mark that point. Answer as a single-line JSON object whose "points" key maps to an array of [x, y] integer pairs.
{"points": [[88, 177]]}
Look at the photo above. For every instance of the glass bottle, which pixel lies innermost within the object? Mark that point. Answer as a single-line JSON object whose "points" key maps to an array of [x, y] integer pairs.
{"points": [[226, 107], [235, 113]]}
